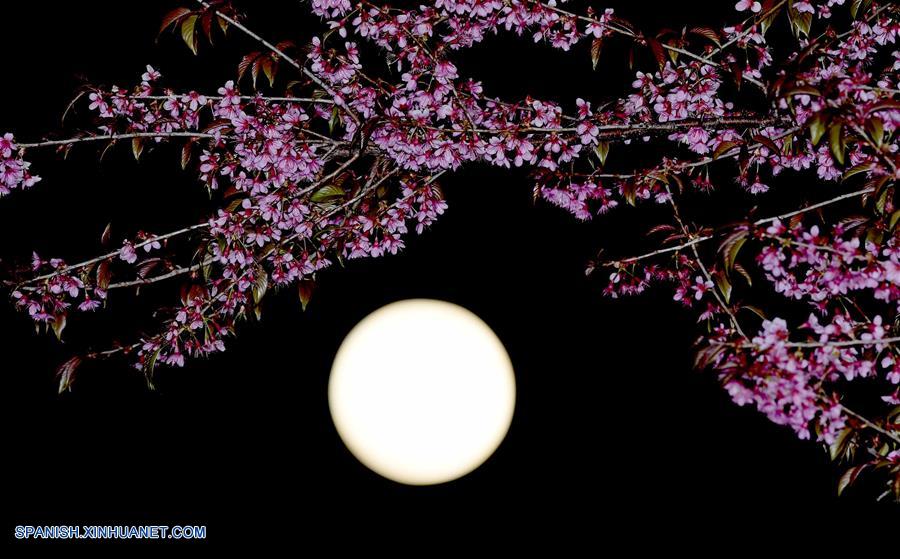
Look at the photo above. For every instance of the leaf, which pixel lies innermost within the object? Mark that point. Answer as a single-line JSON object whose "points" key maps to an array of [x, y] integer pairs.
{"points": [[724, 285], [836, 142], [707, 32], [254, 69], [58, 325], [66, 373], [841, 442], [804, 90], [731, 245], [333, 121], [104, 237], [602, 151], [755, 310], [188, 32], [882, 200], [859, 7], [596, 48], [246, 62], [849, 477], [327, 193], [886, 105], [707, 356], [72, 104], [103, 275], [223, 25], [172, 17], [261, 285], [664, 227], [743, 272], [206, 25], [658, 52], [816, 126], [724, 148], [186, 153], [629, 192], [893, 221], [875, 129], [762, 140], [145, 268], [766, 23], [137, 148], [270, 68], [861, 168], [800, 22], [306, 288]]}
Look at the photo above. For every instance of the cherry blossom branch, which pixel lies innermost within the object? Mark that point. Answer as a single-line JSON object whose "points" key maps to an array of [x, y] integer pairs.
{"points": [[640, 129], [704, 238], [627, 33], [129, 135], [320, 100], [107, 256], [715, 290], [871, 425], [290, 60]]}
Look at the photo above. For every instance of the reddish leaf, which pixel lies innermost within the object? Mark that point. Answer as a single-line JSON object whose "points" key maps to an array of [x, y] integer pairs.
{"points": [[306, 290], [596, 47], [104, 237], [66, 374], [173, 17]]}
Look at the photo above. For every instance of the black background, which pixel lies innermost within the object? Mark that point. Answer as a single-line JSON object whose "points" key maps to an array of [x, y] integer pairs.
{"points": [[613, 431]]}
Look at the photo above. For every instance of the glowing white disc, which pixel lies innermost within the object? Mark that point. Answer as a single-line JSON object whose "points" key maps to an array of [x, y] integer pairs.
{"points": [[422, 391]]}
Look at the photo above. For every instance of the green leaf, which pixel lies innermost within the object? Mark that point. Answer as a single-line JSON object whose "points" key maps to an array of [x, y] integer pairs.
{"points": [[137, 148], [270, 68], [327, 193], [766, 23], [859, 7], [188, 32], [837, 448], [755, 310], [875, 129], [893, 221], [816, 126], [731, 246], [58, 325], [849, 477], [602, 151], [861, 168], [333, 121], [261, 285], [724, 285], [800, 22], [836, 142]]}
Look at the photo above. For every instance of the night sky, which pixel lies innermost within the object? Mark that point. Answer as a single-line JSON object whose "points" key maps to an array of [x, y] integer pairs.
{"points": [[613, 430]]}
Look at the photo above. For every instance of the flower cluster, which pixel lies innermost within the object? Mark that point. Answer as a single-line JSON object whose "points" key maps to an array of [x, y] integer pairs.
{"points": [[13, 169]]}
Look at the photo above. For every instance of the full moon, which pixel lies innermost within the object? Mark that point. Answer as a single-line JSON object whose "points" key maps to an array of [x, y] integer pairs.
{"points": [[422, 391]]}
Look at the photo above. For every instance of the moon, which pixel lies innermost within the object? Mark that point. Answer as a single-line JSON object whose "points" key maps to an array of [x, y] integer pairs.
{"points": [[422, 391]]}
